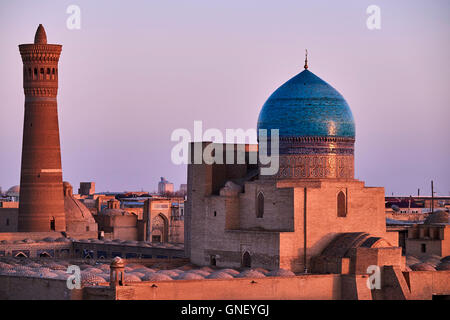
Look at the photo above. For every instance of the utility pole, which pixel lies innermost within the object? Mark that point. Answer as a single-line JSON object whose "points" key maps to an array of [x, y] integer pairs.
{"points": [[432, 197], [418, 192], [409, 204]]}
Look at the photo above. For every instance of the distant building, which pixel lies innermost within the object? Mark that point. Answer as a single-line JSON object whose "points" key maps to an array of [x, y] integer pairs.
{"points": [[431, 237], [183, 187], [152, 219], [13, 193], [312, 215], [164, 220], [421, 204], [165, 186], [79, 219], [413, 208], [117, 223], [86, 188]]}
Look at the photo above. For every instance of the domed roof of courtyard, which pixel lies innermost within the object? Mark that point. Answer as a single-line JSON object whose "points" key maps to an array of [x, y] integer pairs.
{"points": [[75, 210], [438, 217], [306, 106], [13, 191], [341, 244]]}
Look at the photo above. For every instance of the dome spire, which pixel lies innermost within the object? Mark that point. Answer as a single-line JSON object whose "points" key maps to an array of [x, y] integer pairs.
{"points": [[40, 36], [306, 59]]}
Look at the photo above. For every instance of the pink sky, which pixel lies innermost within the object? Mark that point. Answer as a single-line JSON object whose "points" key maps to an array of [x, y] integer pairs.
{"points": [[137, 70]]}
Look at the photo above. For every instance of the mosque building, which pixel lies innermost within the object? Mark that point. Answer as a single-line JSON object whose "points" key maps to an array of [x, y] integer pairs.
{"points": [[237, 217], [308, 231]]}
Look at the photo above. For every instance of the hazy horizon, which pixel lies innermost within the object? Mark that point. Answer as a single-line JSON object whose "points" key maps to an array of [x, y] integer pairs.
{"points": [[136, 71]]}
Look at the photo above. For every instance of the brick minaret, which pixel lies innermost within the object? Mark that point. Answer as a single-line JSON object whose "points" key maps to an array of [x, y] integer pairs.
{"points": [[41, 206]]}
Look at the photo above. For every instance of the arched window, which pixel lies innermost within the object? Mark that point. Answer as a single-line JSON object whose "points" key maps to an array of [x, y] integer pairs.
{"points": [[52, 224], [246, 260], [212, 260], [41, 74], [21, 255], [48, 74], [260, 205], [341, 205], [160, 231], [35, 74], [53, 74]]}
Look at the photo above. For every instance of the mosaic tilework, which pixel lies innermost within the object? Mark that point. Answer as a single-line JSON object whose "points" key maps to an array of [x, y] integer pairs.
{"points": [[307, 106]]}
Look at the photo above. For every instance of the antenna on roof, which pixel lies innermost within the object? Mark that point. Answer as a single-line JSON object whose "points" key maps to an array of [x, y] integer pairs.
{"points": [[306, 59]]}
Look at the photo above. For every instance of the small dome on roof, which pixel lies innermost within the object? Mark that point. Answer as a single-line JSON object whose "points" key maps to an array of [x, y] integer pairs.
{"points": [[201, 272], [132, 278], [140, 275], [88, 278], [186, 267], [280, 273], [153, 276], [118, 262], [422, 267], [104, 267], [410, 260], [169, 273], [438, 217], [94, 270], [207, 269], [189, 276], [78, 216], [262, 270], [443, 266], [230, 271], [135, 266], [14, 191], [219, 275], [250, 274]]}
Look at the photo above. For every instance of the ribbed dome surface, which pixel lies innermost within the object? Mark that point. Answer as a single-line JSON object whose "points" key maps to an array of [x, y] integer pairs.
{"points": [[307, 106]]}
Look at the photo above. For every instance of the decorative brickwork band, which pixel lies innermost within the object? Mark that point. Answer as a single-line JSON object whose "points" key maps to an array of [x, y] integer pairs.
{"points": [[316, 166], [316, 158]]}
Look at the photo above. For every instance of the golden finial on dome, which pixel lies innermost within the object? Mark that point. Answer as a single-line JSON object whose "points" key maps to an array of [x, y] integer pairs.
{"points": [[306, 59]]}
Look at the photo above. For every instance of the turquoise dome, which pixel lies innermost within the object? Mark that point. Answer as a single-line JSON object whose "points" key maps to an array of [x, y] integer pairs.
{"points": [[307, 106]]}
